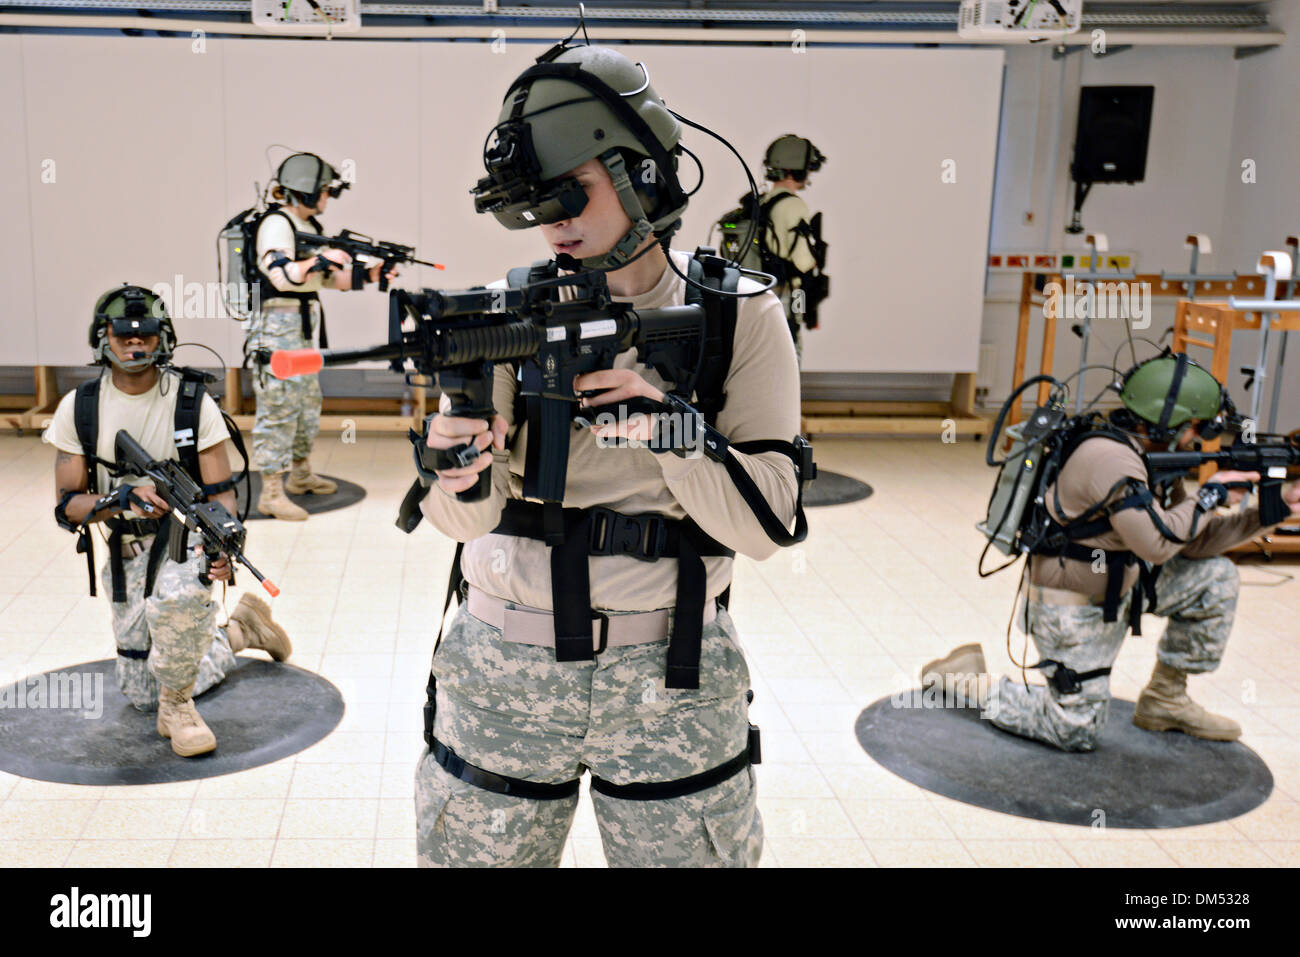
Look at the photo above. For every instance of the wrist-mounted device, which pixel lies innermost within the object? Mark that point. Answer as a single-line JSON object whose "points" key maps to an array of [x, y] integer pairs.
{"points": [[681, 429], [429, 461], [1210, 496]]}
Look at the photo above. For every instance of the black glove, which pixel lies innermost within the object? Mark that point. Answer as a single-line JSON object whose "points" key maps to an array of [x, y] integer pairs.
{"points": [[429, 461]]}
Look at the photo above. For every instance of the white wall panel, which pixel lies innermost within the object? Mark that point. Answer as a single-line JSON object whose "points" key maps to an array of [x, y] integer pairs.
{"points": [[157, 145], [18, 177], [135, 131]]}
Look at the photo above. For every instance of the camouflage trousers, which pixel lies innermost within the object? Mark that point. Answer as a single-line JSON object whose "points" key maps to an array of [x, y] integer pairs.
{"points": [[175, 628], [1197, 596], [288, 410], [514, 710]]}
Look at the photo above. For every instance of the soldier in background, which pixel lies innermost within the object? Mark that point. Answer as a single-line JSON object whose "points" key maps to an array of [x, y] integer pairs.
{"points": [[288, 410], [1179, 568], [792, 236], [169, 646]]}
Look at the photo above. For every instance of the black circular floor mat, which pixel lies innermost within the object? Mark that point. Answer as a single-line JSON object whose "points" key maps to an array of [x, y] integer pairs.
{"points": [[74, 726], [349, 493], [1135, 778], [832, 488]]}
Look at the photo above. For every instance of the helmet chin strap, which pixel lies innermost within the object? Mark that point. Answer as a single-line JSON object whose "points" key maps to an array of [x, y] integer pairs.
{"points": [[158, 357], [626, 247]]}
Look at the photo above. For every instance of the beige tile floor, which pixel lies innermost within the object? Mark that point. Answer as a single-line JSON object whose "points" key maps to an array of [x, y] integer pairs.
{"points": [[880, 587]]}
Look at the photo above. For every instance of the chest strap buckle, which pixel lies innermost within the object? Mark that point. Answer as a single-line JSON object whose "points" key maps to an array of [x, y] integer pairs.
{"points": [[644, 537]]}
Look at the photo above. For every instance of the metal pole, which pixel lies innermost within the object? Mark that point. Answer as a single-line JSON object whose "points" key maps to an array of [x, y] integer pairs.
{"points": [[1293, 243]]}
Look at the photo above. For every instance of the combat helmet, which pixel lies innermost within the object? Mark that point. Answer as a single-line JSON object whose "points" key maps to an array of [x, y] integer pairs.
{"points": [[306, 174], [1171, 390], [792, 155], [131, 309], [576, 104]]}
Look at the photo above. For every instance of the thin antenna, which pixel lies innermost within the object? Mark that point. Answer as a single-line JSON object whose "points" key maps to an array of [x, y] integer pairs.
{"points": [[582, 25]]}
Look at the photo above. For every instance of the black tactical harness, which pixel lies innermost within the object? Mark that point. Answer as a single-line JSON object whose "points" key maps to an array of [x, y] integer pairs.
{"points": [[574, 535], [1063, 540], [458, 767], [85, 415], [266, 289]]}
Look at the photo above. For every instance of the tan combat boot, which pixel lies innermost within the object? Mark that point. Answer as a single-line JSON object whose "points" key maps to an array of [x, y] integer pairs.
{"points": [[179, 720], [961, 673], [275, 503], [1163, 705], [250, 626], [303, 481]]}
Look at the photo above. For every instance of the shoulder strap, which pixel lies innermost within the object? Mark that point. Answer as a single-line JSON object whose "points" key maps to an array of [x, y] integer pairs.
{"points": [[767, 204], [85, 416], [720, 328], [186, 421]]}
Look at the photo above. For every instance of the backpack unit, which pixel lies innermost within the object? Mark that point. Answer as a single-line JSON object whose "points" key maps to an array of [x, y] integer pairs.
{"points": [[752, 220], [239, 272], [761, 253], [1019, 522]]}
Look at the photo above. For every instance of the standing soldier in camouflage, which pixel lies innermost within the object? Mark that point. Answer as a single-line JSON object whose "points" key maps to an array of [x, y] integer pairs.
{"points": [[1178, 543], [288, 410], [653, 700], [169, 646], [791, 238]]}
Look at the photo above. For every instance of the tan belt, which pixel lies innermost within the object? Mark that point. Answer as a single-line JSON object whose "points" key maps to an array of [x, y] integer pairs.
{"points": [[535, 626], [1061, 596], [135, 547]]}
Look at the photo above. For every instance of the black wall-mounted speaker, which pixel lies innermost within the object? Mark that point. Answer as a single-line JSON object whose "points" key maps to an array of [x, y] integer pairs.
{"points": [[1110, 143]]}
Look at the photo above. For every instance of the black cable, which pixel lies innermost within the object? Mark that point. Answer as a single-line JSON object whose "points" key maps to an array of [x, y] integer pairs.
{"points": [[698, 165], [1002, 416], [1066, 381], [753, 225], [199, 345], [1155, 344]]}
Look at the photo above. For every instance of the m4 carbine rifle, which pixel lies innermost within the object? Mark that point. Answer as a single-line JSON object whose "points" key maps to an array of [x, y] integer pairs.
{"points": [[457, 336], [222, 533], [1269, 459], [357, 245]]}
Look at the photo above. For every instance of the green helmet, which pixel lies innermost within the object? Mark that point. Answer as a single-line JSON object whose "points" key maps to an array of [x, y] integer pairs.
{"points": [[306, 174], [577, 104], [131, 309], [792, 155], [1169, 391]]}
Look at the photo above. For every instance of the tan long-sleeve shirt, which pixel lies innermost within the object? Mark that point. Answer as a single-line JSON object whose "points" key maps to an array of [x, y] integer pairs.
{"points": [[786, 216], [275, 238], [1087, 478], [762, 389]]}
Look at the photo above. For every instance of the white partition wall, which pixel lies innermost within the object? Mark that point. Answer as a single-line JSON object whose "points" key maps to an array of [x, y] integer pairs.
{"points": [[156, 143], [357, 106], [17, 176], [907, 250], [134, 131]]}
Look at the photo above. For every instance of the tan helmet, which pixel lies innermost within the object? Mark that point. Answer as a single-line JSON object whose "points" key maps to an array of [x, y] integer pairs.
{"points": [[577, 104]]}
